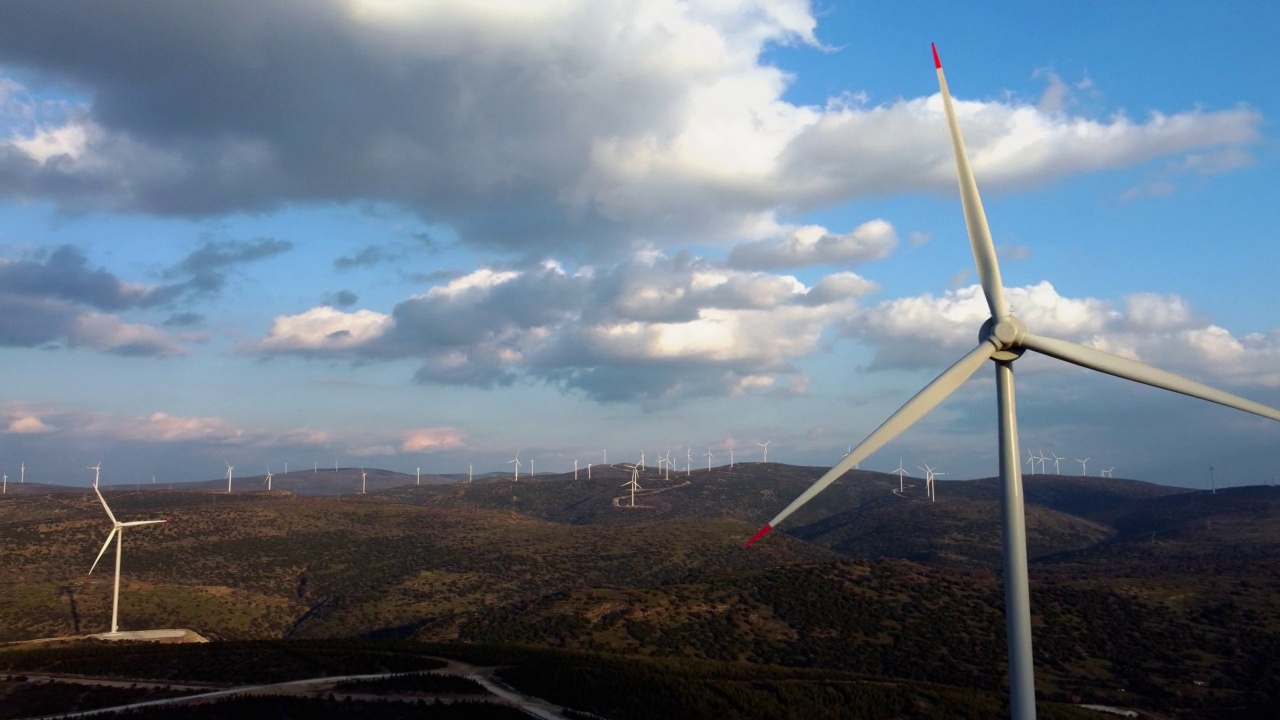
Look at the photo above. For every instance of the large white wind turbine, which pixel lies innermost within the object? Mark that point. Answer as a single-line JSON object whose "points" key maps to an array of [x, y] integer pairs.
{"points": [[710, 457], [765, 447], [1002, 339], [1107, 473], [1057, 470], [117, 532], [517, 465], [266, 482], [230, 467], [364, 478], [1084, 469]]}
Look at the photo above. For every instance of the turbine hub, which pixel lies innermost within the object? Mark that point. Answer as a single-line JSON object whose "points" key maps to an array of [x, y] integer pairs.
{"points": [[1006, 334]]}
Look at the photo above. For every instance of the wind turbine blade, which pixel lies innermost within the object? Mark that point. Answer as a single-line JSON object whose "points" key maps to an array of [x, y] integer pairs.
{"points": [[975, 218], [104, 504], [1143, 373], [143, 522], [906, 416], [105, 545]]}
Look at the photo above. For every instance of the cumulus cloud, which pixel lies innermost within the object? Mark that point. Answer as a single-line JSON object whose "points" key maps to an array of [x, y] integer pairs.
{"points": [[636, 119], [432, 439], [642, 330], [814, 245], [29, 425], [932, 331]]}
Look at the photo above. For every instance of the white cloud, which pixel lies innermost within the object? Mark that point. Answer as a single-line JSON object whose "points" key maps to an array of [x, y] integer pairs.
{"points": [[930, 331], [815, 245], [432, 440], [111, 334], [648, 120], [322, 329], [29, 425]]}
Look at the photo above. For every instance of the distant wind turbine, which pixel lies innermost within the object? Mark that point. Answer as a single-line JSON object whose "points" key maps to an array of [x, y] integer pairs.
{"points": [[364, 476], [588, 471], [901, 472], [419, 474], [634, 484], [230, 467], [517, 465], [710, 457], [1031, 460], [22, 479], [1107, 473], [1056, 469], [1084, 469], [6, 483], [117, 532], [688, 466], [1003, 339], [575, 469], [469, 472], [266, 482], [765, 446], [667, 459]]}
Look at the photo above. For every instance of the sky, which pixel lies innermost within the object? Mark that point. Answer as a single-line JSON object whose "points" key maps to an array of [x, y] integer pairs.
{"points": [[434, 235]]}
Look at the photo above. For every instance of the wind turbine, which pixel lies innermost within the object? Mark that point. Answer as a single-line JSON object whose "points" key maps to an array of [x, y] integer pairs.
{"points": [[688, 467], [1084, 469], [117, 531], [641, 459], [1041, 458], [517, 462], [634, 484], [230, 467], [667, 459], [266, 482], [1107, 473], [22, 478], [1002, 339], [929, 474], [588, 471], [1056, 469], [419, 475], [901, 472], [765, 446], [730, 454], [364, 476], [1031, 460], [6, 484], [575, 469], [710, 457]]}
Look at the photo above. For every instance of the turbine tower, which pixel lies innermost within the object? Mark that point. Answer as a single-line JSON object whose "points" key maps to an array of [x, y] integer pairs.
{"points": [[1107, 473], [710, 457], [1003, 339], [688, 467], [1084, 469], [266, 482], [517, 465], [1057, 470], [575, 469], [765, 447], [364, 477], [230, 467], [117, 532], [419, 474]]}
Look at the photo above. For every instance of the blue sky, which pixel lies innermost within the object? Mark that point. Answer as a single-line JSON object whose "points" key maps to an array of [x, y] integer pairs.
{"points": [[404, 235]]}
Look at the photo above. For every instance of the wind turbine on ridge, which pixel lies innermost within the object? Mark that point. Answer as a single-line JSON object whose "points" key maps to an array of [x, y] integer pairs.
{"points": [[364, 477], [634, 484], [117, 532], [765, 446], [710, 457], [1057, 470], [517, 462], [230, 467], [667, 459], [1107, 473], [901, 472], [1084, 469], [266, 482], [1003, 339]]}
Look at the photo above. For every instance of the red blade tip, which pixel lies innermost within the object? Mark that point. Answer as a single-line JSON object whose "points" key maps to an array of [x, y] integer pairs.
{"points": [[761, 533], [937, 62]]}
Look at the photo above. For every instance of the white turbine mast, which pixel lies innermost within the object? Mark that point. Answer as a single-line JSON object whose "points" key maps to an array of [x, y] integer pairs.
{"points": [[588, 471], [22, 478], [419, 476], [1003, 339], [710, 457], [230, 468], [1107, 473], [364, 477], [731, 452], [765, 447], [688, 465], [1057, 470], [1084, 469], [117, 532], [575, 469], [266, 482], [667, 459], [6, 484], [516, 460]]}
